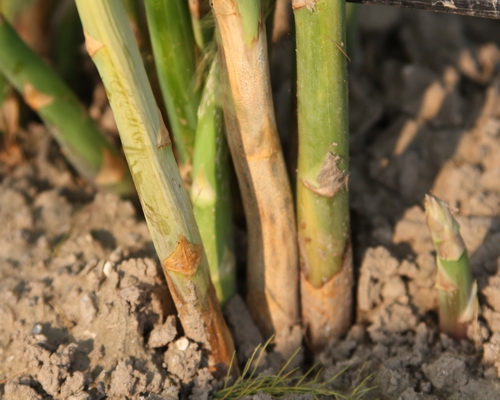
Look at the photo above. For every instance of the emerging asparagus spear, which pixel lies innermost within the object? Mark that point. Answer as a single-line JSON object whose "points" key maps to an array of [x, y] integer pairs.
{"points": [[42, 89], [258, 159], [322, 193], [210, 192], [457, 291], [110, 43]]}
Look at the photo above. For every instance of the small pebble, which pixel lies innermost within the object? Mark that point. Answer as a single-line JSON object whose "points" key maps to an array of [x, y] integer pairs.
{"points": [[182, 344]]}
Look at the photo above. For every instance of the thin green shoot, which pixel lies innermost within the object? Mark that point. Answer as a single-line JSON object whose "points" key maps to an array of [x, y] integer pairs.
{"points": [[285, 381], [260, 349]]}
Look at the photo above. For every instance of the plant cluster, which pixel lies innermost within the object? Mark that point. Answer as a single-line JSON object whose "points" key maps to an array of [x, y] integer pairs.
{"points": [[212, 65]]}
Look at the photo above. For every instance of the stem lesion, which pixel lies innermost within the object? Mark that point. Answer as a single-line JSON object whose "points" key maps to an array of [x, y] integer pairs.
{"points": [[272, 266], [330, 178]]}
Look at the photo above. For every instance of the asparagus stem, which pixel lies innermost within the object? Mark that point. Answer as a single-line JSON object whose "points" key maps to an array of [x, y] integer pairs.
{"points": [[322, 193], [256, 152], [110, 43], [84, 145], [456, 289], [173, 47], [210, 192]]}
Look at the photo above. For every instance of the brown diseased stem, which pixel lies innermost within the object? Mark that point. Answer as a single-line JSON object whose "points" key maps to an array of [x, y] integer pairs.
{"points": [[272, 275]]}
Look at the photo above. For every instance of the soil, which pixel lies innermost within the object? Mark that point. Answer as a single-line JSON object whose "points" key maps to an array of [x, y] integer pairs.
{"points": [[84, 309]]}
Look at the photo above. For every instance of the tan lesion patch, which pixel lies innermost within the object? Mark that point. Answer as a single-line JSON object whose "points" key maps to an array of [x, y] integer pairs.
{"points": [[330, 178], [265, 144], [185, 258], [162, 137], [92, 45], [309, 4], [34, 98]]}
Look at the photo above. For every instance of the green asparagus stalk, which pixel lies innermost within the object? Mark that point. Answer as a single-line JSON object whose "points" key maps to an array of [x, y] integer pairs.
{"points": [[457, 291], [136, 14], [272, 269], [323, 162], [166, 205], [84, 145], [210, 192], [173, 48]]}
